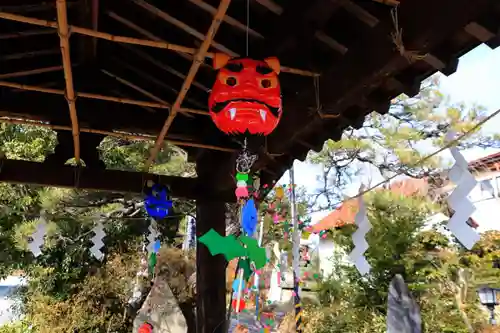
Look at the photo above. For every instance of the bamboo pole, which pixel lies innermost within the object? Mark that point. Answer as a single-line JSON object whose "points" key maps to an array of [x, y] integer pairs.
{"points": [[198, 59], [130, 40], [122, 135], [63, 31], [96, 97]]}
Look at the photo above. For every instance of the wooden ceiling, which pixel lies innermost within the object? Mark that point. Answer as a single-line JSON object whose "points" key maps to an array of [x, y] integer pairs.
{"points": [[130, 84]]}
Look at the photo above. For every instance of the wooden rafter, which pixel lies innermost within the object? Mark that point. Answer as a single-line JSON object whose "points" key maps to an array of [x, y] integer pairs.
{"points": [[228, 19], [163, 66], [181, 25], [27, 33], [96, 97], [29, 54], [31, 72], [63, 32], [131, 40], [154, 80], [198, 59]]}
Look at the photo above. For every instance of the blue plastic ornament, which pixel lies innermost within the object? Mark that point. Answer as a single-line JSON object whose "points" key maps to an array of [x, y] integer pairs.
{"points": [[157, 203], [156, 246], [249, 217], [236, 285]]}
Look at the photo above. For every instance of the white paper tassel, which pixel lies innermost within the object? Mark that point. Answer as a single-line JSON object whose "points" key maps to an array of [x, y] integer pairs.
{"points": [[37, 238], [458, 201], [359, 241], [152, 236], [97, 241]]}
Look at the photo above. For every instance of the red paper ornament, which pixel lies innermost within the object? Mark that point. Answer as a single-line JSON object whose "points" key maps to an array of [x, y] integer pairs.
{"points": [[242, 304], [145, 328], [246, 96]]}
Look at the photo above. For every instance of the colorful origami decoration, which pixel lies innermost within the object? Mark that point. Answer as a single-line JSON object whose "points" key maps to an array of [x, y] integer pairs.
{"points": [[249, 217], [232, 248], [246, 96], [146, 328], [157, 202]]}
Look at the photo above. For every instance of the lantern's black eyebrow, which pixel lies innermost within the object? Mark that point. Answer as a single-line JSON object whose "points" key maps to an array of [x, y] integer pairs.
{"points": [[263, 70], [234, 67]]}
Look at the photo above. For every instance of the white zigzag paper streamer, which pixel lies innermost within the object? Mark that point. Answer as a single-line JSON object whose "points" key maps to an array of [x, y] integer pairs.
{"points": [[37, 238], [458, 201], [359, 241], [97, 241], [152, 236]]}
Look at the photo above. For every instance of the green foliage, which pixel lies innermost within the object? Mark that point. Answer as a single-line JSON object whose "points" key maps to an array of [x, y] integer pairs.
{"points": [[68, 289], [430, 264]]}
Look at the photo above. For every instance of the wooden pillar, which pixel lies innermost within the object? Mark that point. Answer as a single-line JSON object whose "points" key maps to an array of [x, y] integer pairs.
{"points": [[213, 173]]}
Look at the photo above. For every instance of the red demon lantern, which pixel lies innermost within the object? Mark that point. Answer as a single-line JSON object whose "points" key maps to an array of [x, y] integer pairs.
{"points": [[246, 96]]}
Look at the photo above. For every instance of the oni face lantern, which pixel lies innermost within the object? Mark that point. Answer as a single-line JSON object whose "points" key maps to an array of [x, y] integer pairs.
{"points": [[246, 96]]}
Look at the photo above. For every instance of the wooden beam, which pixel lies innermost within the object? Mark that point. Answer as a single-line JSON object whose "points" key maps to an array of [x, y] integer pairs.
{"points": [[332, 43], [198, 59], [45, 174], [359, 12], [210, 270], [423, 30], [271, 5], [131, 40], [479, 32]]}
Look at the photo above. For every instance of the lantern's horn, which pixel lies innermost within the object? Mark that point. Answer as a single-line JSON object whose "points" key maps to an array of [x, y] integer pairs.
{"points": [[274, 63], [220, 60]]}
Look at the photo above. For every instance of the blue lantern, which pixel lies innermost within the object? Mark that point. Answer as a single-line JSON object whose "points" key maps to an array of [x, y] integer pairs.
{"points": [[157, 202]]}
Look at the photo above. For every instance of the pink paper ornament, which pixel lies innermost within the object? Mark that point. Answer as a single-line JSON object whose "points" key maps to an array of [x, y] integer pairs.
{"points": [[241, 192]]}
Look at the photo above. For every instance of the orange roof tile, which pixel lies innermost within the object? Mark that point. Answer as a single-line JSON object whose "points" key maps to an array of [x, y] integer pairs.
{"points": [[346, 212]]}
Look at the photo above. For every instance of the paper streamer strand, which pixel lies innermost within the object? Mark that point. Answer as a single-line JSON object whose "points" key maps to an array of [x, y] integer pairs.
{"points": [[359, 241], [37, 238], [458, 201], [97, 242], [152, 236]]}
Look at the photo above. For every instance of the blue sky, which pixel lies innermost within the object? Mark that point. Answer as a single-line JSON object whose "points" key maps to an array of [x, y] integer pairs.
{"points": [[477, 80]]}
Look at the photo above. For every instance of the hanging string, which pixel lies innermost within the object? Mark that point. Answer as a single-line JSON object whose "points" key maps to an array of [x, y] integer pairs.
{"points": [[248, 27], [397, 39]]}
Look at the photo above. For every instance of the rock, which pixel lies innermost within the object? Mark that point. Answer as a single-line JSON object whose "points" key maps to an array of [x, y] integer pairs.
{"points": [[161, 310]]}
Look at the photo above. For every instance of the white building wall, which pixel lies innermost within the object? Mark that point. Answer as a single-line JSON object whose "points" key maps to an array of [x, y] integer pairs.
{"points": [[486, 198]]}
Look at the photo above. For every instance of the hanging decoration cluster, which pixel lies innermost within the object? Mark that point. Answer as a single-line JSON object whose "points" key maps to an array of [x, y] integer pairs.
{"points": [[458, 201], [158, 205], [246, 95]]}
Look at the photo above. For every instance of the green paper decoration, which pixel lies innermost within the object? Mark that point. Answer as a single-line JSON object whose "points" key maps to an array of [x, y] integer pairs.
{"points": [[256, 253], [242, 176], [228, 246], [232, 248], [244, 264]]}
